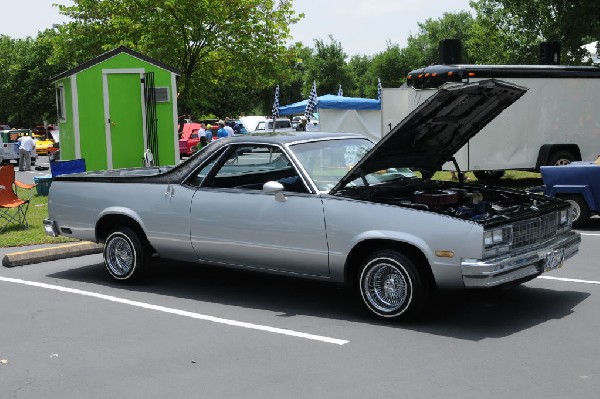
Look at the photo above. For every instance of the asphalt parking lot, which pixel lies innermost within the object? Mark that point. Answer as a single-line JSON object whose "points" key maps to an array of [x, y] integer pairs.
{"points": [[193, 332]]}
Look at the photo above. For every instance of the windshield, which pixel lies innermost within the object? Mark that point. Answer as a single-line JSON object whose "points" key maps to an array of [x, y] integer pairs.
{"points": [[327, 161]]}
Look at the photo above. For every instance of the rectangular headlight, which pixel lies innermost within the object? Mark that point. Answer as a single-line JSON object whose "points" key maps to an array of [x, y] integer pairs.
{"points": [[488, 238], [564, 216], [498, 236]]}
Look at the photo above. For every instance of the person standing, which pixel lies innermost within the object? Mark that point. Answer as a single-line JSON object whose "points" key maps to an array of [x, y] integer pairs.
{"points": [[302, 125], [229, 128], [222, 132], [208, 132], [26, 146]]}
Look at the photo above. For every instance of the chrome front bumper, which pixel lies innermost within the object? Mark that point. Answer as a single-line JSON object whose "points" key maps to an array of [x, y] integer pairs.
{"points": [[513, 267]]}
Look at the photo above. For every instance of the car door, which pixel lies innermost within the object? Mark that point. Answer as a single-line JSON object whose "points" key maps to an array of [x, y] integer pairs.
{"points": [[235, 222]]}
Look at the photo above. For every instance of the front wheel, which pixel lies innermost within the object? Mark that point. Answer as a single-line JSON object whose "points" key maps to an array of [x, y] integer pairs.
{"points": [[391, 286], [125, 254], [579, 209]]}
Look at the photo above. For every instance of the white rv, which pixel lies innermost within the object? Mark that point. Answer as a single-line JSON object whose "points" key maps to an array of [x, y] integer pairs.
{"points": [[556, 122]]}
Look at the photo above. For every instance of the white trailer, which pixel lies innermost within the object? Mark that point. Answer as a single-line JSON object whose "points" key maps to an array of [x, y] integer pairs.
{"points": [[556, 122]]}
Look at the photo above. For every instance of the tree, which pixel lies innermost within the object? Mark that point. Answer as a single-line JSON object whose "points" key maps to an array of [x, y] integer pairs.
{"points": [[360, 71], [26, 91], [391, 66], [423, 49], [518, 26], [210, 42], [328, 68]]}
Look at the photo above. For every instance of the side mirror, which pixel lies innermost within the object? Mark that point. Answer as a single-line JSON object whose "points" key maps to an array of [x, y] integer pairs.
{"points": [[275, 187], [272, 187]]}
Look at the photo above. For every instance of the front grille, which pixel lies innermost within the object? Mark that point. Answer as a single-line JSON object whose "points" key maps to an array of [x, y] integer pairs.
{"points": [[533, 231]]}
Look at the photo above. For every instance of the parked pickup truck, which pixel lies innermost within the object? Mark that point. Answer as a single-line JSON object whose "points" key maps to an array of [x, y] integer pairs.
{"points": [[330, 206], [577, 183]]}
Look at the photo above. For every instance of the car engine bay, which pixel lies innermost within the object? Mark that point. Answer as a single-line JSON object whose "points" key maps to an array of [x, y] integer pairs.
{"points": [[481, 204]]}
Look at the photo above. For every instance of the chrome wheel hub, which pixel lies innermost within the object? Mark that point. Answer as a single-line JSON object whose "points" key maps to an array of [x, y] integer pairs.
{"points": [[119, 256], [385, 287]]}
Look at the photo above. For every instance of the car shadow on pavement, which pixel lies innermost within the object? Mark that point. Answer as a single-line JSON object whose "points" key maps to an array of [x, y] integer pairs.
{"points": [[592, 225], [463, 314]]}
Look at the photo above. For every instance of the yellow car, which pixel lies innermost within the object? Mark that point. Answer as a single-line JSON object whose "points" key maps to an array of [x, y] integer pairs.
{"points": [[42, 144]]}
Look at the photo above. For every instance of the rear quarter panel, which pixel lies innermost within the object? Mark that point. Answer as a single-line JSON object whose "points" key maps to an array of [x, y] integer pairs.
{"points": [[78, 205]]}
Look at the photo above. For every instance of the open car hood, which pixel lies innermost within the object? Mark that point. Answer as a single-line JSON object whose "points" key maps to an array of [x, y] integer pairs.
{"points": [[430, 135]]}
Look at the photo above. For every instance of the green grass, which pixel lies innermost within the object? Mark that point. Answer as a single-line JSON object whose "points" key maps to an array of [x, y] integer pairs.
{"points": [[16, 236], [512, 178]]}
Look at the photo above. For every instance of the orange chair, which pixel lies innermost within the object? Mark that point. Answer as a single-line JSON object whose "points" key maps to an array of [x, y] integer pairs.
{"points": [[24, 186], [13, 210]]}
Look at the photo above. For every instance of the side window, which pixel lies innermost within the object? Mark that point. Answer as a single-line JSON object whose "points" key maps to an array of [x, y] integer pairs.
{"points": [[60, 103], [249, 167], [283, 124]]}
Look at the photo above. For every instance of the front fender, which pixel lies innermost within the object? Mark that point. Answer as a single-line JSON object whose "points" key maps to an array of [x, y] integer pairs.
{"points": [[584, 190], [462, 243]]}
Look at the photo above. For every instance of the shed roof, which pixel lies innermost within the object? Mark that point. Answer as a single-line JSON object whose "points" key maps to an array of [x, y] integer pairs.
{"points": [[110, 54]]}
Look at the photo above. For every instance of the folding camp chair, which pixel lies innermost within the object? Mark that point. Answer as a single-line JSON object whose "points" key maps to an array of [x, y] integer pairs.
{"points": [[13, 210], [9, 171]]}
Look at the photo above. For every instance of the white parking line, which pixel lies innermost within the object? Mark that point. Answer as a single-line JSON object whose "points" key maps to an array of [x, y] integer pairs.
{"points": [[589, 234], [571, 280], [179, 312]]}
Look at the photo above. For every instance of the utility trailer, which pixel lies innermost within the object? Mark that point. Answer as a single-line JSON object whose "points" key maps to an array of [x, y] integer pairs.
{"points": [[557, 122]]}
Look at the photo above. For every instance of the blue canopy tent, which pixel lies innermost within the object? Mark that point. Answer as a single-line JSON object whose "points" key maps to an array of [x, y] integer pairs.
{"points": [[343, 114], [329, 101]]}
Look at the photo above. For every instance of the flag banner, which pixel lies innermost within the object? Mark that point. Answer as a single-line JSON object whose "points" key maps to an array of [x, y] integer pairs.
{"points": [[312, 101], [275, 110], [340, 91], [379, 89]]}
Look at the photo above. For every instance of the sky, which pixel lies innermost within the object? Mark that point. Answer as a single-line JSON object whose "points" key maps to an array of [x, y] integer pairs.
{"points": [[362, 26]]}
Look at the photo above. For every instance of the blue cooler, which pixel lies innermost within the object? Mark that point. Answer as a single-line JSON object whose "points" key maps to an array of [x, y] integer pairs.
{"points": [[43, 184]]}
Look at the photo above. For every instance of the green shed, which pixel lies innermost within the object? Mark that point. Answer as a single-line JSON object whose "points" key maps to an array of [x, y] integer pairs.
{"points": [[112, 109]]}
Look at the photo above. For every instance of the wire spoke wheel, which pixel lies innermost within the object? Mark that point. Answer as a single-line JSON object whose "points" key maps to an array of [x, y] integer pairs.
{"points": [[386, 287], [120, 256], [125, 254], [391, 286]]}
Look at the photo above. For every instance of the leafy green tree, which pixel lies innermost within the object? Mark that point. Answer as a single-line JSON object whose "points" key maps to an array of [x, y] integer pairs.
{"points": [[423, 48], [391, 66], [328, 68], [26, 91], [211, 42], [514, 28], [362, 76]]}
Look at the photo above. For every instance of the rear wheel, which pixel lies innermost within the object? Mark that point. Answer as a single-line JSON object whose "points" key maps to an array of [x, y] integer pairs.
{"points": [[126, 254], [560, 158], [391, 286], [580, 210]]}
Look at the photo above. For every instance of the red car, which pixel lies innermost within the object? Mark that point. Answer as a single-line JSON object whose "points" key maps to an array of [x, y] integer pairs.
{"points": [[188, 138]]}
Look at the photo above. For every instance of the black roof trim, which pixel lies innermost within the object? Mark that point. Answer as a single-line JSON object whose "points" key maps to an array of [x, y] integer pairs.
{"points": [[513, 71], [110, 54]]}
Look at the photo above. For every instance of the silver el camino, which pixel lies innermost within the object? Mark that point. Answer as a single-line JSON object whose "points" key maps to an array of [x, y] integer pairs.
{"points": [[333, 207]]}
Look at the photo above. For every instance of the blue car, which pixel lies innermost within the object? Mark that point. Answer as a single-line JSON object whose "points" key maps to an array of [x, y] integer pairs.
{"points": [[578, 183]]}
